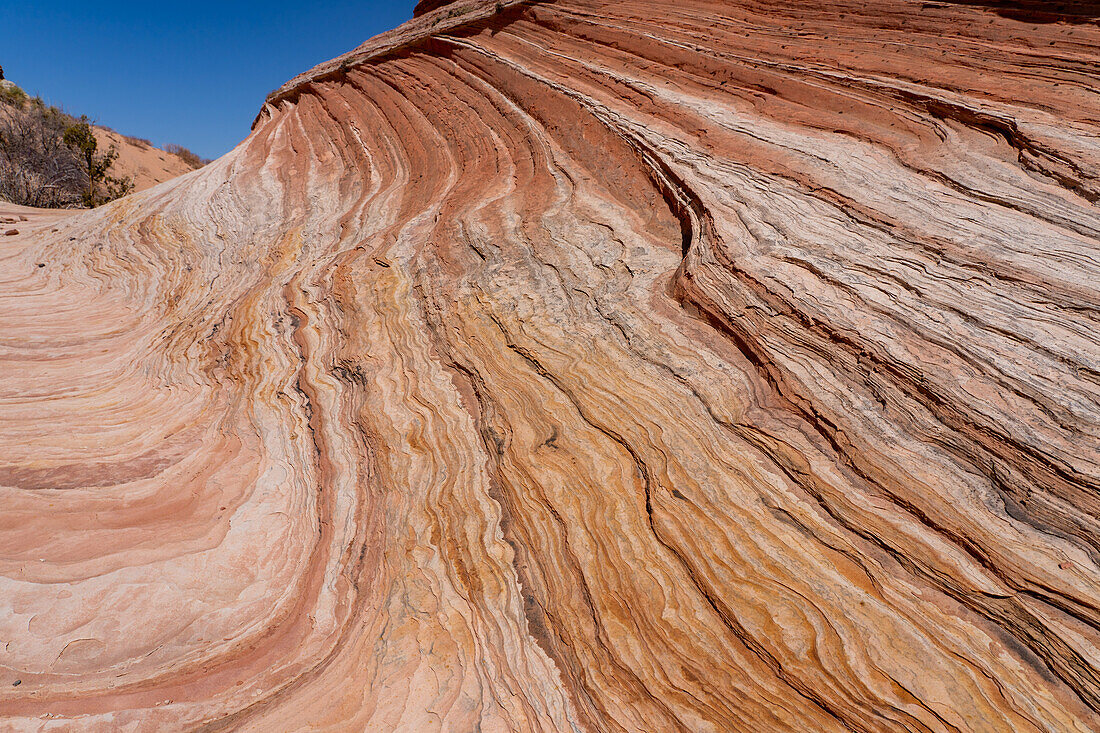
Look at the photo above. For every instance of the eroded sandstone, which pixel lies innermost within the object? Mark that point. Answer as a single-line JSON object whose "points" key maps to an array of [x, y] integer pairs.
{"points": [[585, 366]]}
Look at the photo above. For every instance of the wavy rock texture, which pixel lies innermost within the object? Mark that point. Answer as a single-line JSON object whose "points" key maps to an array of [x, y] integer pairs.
{"points": [[581, 366]]}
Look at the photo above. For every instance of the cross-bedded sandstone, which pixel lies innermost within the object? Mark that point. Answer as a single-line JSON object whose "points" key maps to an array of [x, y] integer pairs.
{"points": [[581, 366]]}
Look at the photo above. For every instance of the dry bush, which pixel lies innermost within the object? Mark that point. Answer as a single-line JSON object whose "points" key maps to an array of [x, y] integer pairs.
{"points": [[12, 95], [139, 142], [188, 157], [36, 167], [40, 165]]}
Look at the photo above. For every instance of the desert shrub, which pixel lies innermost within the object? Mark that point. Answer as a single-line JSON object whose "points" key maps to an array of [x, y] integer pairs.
{"points": [[188, 157], [36, 167], [139, 142], [12, 95], [100, 186], [49, 159]]}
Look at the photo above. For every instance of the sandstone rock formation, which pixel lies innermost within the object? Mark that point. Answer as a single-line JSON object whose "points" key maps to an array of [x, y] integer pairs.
{"points": [[580, 366]]}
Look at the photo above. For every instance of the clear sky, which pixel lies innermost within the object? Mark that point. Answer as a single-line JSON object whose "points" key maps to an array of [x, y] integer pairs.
{"points": [[192, 73]]}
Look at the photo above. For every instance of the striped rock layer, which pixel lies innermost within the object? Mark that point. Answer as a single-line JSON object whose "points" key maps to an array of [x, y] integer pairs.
{"points": [[581, 366]]}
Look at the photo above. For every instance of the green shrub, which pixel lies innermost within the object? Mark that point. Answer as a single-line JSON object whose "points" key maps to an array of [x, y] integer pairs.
{"points": [[101, 186], [49, 159], [12, 95]]}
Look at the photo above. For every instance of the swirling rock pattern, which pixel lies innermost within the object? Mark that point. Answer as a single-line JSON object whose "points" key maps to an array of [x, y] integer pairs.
{"points": [[581, 366]]}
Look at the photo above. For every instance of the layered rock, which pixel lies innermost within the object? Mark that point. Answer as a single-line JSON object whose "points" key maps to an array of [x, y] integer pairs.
{"points": [[580, 365]]}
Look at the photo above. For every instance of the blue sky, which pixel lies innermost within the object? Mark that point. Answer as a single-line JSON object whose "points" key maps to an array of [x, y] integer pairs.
{"points": [[191, 73]]}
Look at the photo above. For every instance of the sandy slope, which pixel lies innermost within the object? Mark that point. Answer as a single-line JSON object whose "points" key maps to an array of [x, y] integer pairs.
{"points": [[146, 164]]}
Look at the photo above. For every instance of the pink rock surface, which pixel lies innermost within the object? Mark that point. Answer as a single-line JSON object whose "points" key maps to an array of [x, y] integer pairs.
{"points": [[580, 366]]}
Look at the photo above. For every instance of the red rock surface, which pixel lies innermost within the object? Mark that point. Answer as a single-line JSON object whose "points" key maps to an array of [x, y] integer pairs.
{"points": [[581, 366]]}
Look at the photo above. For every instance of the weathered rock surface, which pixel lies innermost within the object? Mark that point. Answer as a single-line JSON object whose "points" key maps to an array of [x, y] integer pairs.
{"points": [[580, 366]]}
